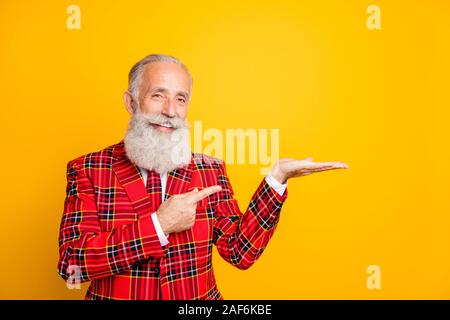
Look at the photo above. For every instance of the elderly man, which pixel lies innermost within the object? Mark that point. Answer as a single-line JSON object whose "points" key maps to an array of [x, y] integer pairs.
{"points": [[141, 216]]}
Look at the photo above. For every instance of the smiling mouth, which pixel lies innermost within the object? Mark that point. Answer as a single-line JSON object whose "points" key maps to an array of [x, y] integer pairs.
{"points": [[162, 125]]}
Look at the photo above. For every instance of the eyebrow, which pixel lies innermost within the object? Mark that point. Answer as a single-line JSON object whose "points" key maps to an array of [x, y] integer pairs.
{"points": [[164, 90]]}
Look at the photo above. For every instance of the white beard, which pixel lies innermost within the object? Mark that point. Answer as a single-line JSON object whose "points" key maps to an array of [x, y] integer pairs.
{"points": [[151, 149]]}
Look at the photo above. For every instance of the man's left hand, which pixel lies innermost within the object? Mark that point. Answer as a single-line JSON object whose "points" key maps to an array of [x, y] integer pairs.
{"points": [[290, 168]]}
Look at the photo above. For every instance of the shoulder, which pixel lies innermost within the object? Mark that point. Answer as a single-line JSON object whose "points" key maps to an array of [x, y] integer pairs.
{"points": [[94, 160]]}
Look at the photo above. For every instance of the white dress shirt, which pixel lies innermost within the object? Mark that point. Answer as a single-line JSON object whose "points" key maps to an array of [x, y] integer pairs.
{"points": [[280, 188]]}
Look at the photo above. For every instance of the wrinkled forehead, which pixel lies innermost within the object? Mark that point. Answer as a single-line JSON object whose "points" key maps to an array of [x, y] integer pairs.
{"points": [[167, 75]]}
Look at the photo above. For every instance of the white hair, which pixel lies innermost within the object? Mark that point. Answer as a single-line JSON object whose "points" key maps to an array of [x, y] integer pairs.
{"points": [[134, 76]]}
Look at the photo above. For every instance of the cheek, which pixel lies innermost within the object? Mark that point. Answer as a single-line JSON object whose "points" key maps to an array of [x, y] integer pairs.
{"points": [[151, 106], [181, 112]]}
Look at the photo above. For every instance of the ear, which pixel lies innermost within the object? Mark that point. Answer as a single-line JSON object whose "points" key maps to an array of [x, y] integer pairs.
{"points": [[128, 100]]}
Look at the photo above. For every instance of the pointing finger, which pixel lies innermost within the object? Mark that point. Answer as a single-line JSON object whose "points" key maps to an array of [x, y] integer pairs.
{"points": [[199, 195], [184, 195]]}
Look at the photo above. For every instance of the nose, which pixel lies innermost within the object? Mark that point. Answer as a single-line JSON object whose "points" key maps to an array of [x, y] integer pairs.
{"points": [[169, 108]]}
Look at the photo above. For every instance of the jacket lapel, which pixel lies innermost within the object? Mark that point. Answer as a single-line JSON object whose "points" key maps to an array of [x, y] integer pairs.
{"points": [[130, 178]]}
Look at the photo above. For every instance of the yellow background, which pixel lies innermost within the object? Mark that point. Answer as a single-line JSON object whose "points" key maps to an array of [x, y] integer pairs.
{"points": [[378, 100]]}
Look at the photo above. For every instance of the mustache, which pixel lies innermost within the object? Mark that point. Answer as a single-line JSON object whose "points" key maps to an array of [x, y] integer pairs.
{"points": [[160, 119]]}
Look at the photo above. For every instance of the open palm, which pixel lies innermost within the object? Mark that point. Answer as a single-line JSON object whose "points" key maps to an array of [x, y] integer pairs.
{"points": [[290, 168]]}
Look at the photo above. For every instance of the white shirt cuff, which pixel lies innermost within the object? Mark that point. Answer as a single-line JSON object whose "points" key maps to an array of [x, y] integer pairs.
{"points": [[280, 188], [159, 231]]}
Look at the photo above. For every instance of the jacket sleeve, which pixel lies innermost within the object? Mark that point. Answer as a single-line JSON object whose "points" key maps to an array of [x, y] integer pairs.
{"points": [[85, 249], [241, 238]]}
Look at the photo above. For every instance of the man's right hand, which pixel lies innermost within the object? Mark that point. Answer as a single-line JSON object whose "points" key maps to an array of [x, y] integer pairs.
{"points": [[178, 212]]}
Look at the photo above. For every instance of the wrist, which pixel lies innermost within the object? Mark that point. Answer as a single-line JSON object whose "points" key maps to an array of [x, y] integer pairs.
{"points": [[162, 223], [281, 178]]}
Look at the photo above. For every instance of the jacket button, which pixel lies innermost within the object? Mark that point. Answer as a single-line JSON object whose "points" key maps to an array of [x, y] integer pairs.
{"points": [[156, 270]]}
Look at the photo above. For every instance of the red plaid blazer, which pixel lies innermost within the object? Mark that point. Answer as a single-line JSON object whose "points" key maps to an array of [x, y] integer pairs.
{"points": [[107, 234]]}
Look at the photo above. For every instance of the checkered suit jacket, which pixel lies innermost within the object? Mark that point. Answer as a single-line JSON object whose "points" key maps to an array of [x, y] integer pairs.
{"points": [[107, 235]]}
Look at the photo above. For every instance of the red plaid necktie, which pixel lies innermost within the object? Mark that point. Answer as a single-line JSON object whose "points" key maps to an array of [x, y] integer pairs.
{"points": [[154, 189]]}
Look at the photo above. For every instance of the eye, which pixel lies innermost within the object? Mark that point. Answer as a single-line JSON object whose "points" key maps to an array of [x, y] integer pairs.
{"points": [[181, 99], [157, 95]]}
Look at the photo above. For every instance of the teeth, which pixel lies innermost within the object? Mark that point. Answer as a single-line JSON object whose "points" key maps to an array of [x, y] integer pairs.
{"points": [[165, 125]]}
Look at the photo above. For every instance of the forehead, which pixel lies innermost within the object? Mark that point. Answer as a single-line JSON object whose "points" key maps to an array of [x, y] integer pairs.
{"points": [[166, 74]]}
